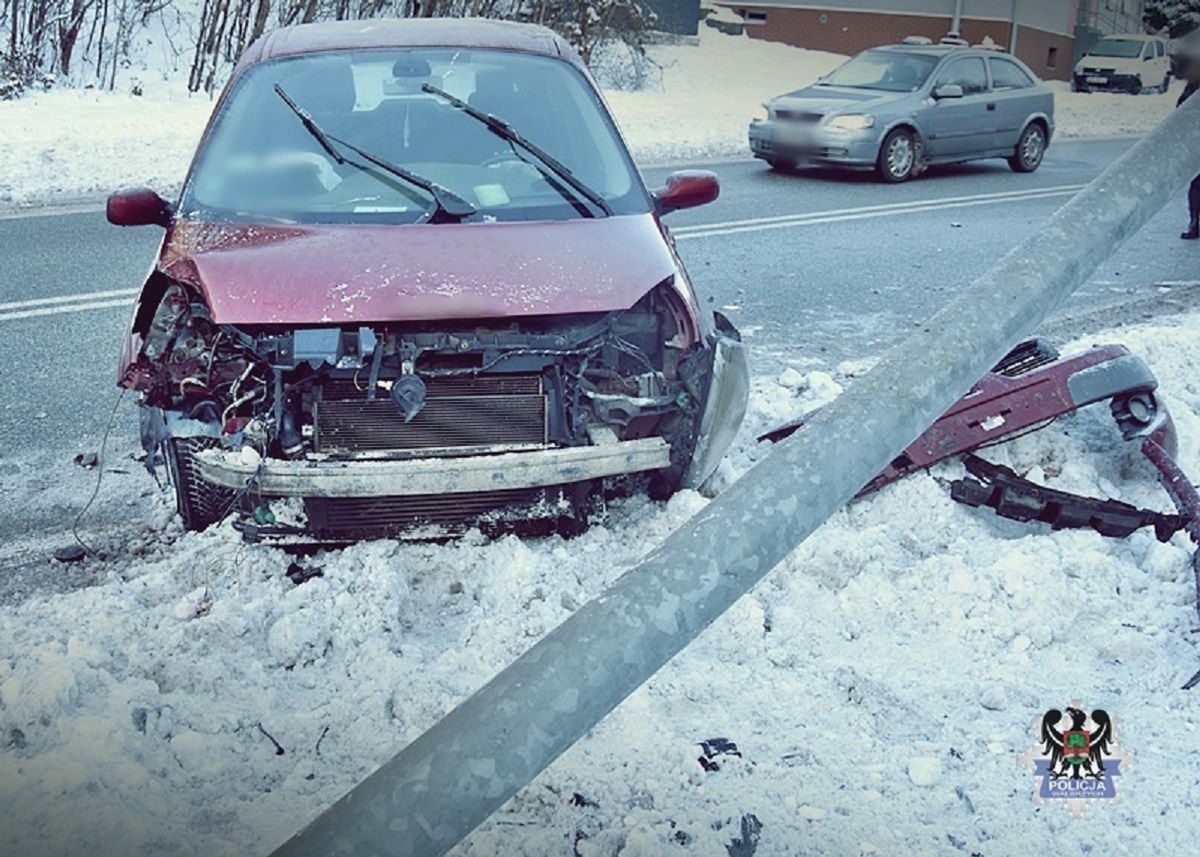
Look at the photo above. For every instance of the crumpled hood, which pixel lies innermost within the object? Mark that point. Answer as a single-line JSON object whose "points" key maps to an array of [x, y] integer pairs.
{"points": [[830, 99], [346, 274]]}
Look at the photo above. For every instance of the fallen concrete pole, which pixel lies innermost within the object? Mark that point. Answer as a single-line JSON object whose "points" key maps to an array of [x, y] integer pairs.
{"points": [[442, 785]]}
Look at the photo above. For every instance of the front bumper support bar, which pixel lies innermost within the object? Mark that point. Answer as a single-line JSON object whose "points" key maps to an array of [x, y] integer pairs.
{"points": [[1018, 499], [422, 476]]}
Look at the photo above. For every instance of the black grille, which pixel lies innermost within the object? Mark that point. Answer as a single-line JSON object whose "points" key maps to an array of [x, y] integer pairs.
{"points": [[377, 517], [459, 414], [799, 116], [1027, 356]]}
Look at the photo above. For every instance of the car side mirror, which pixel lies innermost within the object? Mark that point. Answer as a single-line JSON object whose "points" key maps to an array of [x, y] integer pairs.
{"points": [[686, 189], [138, 206], [948, 90]]}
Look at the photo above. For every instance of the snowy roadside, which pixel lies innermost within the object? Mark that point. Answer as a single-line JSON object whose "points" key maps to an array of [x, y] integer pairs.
{"points": [[879, 684], [69, 145]]}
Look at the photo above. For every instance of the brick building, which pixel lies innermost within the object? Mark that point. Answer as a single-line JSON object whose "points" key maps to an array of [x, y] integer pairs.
{"points": [[1047, 34]]}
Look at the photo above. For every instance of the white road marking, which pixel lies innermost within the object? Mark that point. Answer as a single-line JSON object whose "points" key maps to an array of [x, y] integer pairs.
{"points": [[66, 299], [56, 310], [735, 227], [51, 211]]}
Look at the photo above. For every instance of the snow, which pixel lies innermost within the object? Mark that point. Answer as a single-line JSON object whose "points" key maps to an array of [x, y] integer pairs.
{"points": [[1103, 114], [66, 145], [71, 144], [879, 684]]}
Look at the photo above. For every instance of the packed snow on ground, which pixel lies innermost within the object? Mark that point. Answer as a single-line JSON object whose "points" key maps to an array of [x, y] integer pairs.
{"points": [[879, 685], [1103, 114], [74, 144]]}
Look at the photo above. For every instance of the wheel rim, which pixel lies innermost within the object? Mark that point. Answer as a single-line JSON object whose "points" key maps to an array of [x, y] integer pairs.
{"points": [[900, 156], [1032, 148]]}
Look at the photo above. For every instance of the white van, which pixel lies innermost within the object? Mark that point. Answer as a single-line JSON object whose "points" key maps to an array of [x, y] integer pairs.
{"points": [[1130, 63]]}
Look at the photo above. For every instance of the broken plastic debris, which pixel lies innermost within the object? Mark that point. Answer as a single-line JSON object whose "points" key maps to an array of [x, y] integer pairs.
{"points": [[299, 574], [70, 553]]}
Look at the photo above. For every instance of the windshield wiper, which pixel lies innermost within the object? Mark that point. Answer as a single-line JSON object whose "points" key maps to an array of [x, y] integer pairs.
{"points": [[510, 135], [448, 206]]}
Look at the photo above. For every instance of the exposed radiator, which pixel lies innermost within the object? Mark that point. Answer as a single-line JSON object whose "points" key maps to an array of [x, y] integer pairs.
{"points": [[459, 414]]}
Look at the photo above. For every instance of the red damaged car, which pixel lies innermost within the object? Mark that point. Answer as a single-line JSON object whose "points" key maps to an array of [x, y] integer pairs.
{"points": [[415, 280]]}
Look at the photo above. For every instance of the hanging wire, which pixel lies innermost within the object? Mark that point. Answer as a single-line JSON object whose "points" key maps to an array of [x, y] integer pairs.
{"points": [[99, 477]]}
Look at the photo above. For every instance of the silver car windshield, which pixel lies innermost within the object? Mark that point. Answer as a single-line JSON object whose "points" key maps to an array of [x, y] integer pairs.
{"points": [[887, 71], [1117, 48], [259, 162]]}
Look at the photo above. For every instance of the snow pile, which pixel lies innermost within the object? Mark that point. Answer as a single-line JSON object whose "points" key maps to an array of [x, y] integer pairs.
{"points": [[878, 685], [1103, 114], [69, 144], [709, 94]]}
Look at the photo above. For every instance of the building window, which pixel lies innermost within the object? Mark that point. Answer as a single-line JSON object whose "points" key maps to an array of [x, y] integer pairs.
{"points": [[1052, 58], [753, 16]]}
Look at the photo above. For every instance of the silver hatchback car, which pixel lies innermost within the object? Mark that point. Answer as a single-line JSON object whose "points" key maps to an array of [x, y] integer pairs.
{"points": [[901, 108]]}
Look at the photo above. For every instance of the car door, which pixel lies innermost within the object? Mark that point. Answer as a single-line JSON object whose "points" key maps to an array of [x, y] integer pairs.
{"points": [[1161, 63], [1012, 87], [962, 126]]}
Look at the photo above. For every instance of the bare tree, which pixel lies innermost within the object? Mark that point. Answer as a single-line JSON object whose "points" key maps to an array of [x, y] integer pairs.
{"points": [[44, 37]]}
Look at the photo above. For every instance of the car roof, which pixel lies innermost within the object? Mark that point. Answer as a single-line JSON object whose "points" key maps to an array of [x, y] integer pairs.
{"points": [[479, 33], [1133, 37], [931, 50], [944, 50]]}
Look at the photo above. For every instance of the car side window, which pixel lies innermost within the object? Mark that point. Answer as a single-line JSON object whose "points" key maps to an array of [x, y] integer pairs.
{"points": [[1149, 52], [1007, 75], [1161, 49], [969, 72]]}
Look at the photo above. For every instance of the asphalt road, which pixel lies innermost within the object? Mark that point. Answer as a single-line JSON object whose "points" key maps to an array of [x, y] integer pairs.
{"points": [[816, 268]]}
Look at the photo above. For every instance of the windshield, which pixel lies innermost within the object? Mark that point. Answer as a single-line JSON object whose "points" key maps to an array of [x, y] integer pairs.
{"points": [[1120, 48], [889, 71], [260, 163]]}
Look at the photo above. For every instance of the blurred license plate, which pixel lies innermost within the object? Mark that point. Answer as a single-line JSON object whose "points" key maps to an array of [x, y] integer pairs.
{"points": [[1095, 79], [793, 136]]}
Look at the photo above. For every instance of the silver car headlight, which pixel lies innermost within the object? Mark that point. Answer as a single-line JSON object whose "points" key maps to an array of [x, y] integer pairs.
{"points": [[852, 122]]}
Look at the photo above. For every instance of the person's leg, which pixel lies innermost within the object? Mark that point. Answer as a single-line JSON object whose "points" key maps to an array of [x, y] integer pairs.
{"points": [[1193, 231]]}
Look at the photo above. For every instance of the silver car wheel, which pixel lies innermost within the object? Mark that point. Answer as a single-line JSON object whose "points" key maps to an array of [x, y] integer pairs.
{"points": [[1032, 147], [900, 156]]}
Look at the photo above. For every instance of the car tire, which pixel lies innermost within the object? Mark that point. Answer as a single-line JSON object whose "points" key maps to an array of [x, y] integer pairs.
{"points": [[1031, 150], [1166, 84], [1136, 87], [897, 161], [779, 166], [199, 503]]}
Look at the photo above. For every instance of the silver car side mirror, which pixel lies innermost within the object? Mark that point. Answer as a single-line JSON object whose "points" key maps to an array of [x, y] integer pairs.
{"points": [[949, 90]]}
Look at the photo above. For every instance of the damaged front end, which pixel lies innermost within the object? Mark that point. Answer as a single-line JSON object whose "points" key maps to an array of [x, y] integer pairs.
{"points": [[430, 428]]}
